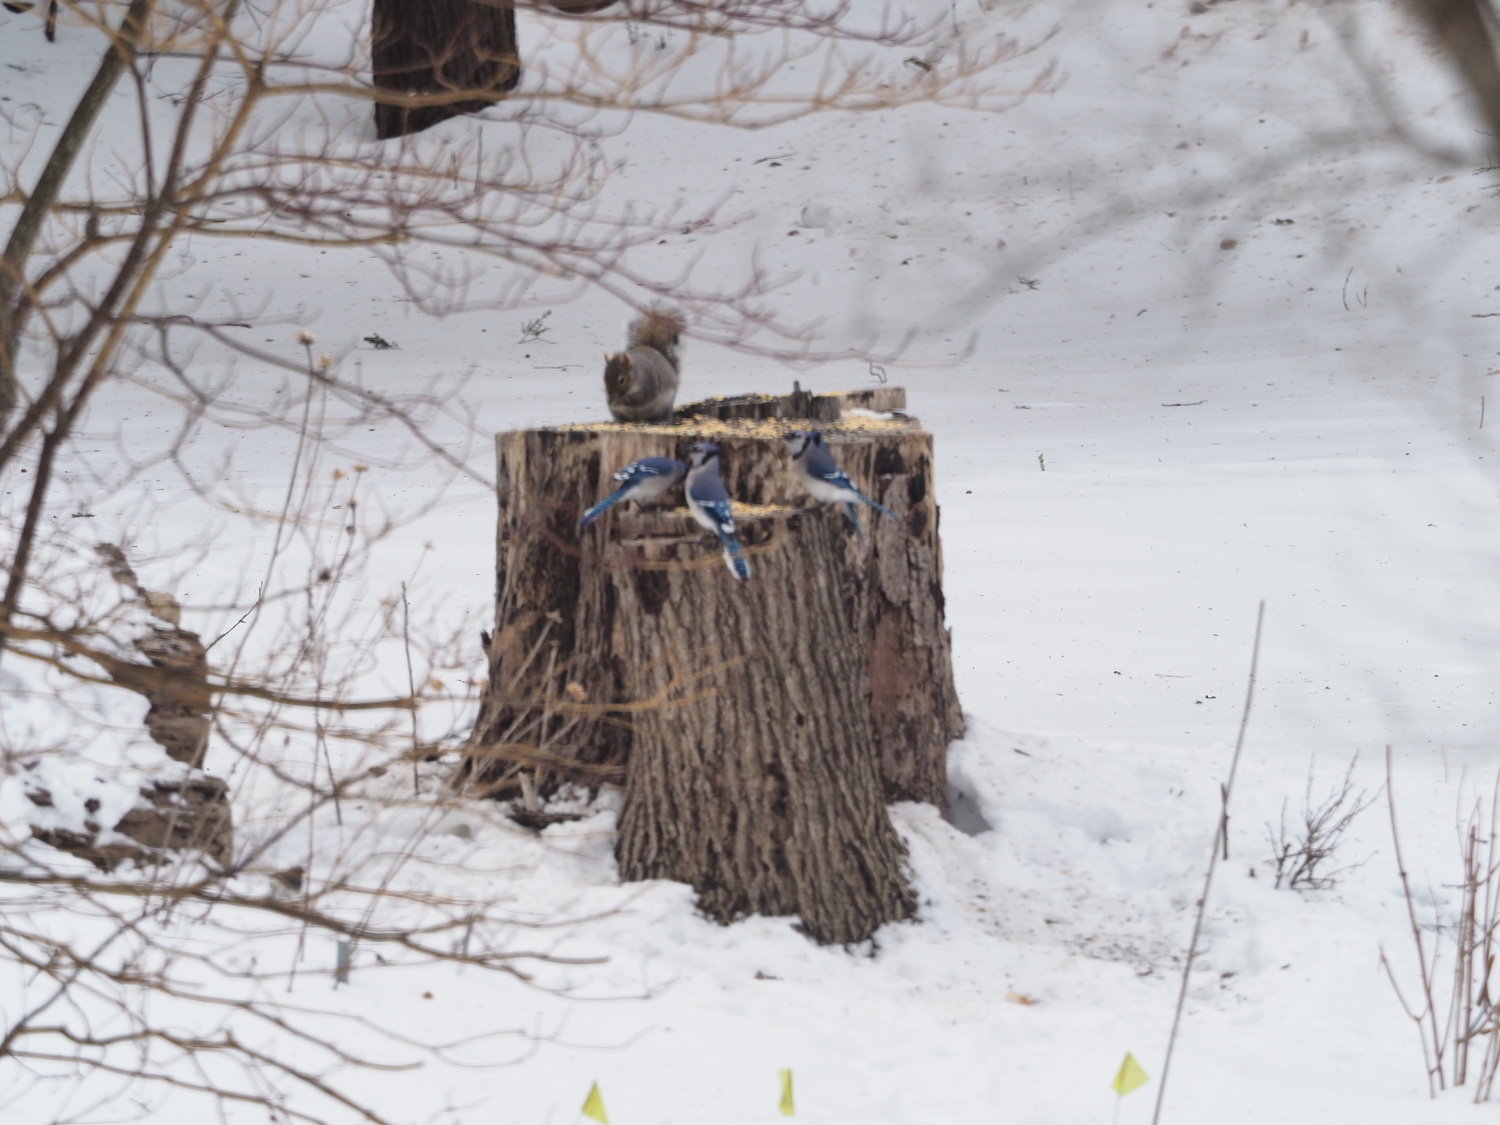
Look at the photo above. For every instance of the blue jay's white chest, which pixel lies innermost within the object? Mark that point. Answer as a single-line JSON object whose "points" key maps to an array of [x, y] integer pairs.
{"points": [[702, 515], [820, 489], [649, 488]]}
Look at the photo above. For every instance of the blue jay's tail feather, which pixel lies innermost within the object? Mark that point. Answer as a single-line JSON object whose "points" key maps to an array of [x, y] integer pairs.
{"points": [[853, 513], [879, 507], [739, 566], [604, 505]]}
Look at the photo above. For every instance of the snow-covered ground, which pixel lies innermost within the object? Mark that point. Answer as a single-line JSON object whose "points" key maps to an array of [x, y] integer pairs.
{"points": [[1192, 329]]}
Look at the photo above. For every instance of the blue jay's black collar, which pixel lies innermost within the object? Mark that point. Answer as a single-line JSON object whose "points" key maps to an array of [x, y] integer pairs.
{"points": [[799, 442], [700, 453]]}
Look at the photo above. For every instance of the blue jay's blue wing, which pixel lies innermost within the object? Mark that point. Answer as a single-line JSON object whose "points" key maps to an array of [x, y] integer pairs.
{"points": [[821, 466], [721, 516], [838, 478], [708, 501], [718, 517], [820, 463], [645, 479], [721, 513], [648, 467], [714, 512], [707, 488]]}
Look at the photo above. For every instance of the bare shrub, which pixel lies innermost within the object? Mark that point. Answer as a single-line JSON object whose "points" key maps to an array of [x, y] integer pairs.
{"points": [[1449, 1026], [1304, 856]]}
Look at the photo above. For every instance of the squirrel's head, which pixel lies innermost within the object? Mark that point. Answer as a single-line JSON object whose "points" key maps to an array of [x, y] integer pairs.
{"points": [[618, 374]]}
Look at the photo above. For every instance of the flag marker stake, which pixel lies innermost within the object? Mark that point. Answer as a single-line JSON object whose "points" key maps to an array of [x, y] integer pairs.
{"points": [[593, 1106], [1128, 1078]]}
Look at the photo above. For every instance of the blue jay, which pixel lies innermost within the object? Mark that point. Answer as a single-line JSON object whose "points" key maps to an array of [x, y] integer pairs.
{"points": [[709, 503], [645, 479], [820, 474]]}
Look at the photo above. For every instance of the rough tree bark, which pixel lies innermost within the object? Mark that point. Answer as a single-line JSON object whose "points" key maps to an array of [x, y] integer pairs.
{"points": [[759, 729]]}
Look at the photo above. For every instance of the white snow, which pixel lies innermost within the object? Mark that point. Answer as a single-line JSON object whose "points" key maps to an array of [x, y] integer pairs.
{"points": [[1292, 418]]}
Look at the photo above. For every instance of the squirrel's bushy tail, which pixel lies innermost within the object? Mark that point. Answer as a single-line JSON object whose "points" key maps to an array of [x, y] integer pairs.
{"points": [[659, 327]]}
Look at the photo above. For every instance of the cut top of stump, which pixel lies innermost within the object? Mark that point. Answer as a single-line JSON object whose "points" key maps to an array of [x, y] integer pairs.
{"points": [[847, 414], [871, 446]]}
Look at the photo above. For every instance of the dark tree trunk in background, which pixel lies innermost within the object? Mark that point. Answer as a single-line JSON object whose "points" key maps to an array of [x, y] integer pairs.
{"points": [[1462, 27], [460, 55], [759, 729]]}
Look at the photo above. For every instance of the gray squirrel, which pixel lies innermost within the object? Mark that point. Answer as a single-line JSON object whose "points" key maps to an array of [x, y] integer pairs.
{"points": [[640, 383]]}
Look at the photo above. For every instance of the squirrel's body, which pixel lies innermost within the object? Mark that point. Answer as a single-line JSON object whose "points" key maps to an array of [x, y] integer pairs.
{"points": [[640, 384]]}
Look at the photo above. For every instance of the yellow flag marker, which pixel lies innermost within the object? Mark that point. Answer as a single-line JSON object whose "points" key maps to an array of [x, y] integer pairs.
{"points": [[593, 1106], [1131, 1076], [786, 1093]]}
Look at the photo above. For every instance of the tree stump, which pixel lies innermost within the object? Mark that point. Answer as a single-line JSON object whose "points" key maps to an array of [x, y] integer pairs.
{"points": [[759, 729]]}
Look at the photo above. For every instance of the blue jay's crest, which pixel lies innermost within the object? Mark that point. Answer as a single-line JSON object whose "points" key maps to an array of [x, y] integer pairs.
{"points": [[701, 452], [645, 479]]}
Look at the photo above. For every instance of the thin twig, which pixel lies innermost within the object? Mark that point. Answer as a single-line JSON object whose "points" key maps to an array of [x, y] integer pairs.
{"points": [[1435, 1064], [1213, 861], [259, 594], [411, 686]]}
